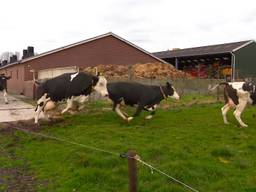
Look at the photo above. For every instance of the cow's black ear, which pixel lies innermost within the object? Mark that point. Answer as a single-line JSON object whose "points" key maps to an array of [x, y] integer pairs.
{"points": [[37, 82], [95, 80], [168, 84]]}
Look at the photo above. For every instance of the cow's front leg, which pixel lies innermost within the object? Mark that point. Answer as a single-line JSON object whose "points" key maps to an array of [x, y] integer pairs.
{"points": [[38, 110], [5, 96], [81, 100], [237, 113], [152, 111], [40, 106], [118, 111], [69, 105], [138, 111]]}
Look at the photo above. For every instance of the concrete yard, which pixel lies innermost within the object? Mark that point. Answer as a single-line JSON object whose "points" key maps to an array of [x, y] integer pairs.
{"points": [[16, 109]]}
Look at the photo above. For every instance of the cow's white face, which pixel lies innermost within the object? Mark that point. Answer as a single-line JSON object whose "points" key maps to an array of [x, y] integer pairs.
{"points": [[171, 91], [175, 94], [101, 86]]}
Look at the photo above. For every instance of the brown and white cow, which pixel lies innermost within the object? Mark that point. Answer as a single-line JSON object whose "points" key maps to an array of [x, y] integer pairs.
{"points": [[3, 86], [237, 95]]}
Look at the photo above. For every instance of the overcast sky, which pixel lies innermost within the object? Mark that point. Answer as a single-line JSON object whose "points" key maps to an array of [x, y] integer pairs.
{"points": [[154, 25]]}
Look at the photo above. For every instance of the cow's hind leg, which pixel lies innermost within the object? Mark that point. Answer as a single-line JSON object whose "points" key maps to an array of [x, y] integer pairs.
{"points": [[237, 113], [69, 105], [5, 97], [224, 111]]}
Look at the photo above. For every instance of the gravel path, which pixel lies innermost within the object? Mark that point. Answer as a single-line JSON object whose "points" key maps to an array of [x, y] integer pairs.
{"points": [[16, 109]]}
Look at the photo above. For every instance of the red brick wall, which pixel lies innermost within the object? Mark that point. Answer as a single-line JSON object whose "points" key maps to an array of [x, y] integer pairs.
{"points": [[107, 50]]}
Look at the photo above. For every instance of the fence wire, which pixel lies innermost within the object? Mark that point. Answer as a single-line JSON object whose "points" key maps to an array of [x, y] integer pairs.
{"points": [[137, 158]]}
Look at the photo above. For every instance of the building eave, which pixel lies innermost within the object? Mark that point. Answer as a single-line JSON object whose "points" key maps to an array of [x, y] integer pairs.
{"points": [[80, 43]]}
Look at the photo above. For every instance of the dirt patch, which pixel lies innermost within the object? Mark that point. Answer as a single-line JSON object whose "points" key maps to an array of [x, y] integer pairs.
{"points": [[16, 180], [19, 179], [10, 127]]}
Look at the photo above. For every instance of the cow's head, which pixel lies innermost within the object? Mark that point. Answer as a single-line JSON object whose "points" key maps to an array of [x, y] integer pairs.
{"points": [[250, 87], [100, 85], [171, 92], [40, 88]]}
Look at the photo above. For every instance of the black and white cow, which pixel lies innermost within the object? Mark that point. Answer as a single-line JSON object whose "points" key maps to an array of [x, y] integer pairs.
{"points": [[68, 86], [3, 86], [145, 97], [237, 95]]}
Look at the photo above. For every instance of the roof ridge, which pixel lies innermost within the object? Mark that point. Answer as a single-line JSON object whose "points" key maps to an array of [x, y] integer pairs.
{"points": [[82, 42]]}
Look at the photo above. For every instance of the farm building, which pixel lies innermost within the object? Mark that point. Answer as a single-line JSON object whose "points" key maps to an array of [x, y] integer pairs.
{"points": [[101, 50], [231, 61]]}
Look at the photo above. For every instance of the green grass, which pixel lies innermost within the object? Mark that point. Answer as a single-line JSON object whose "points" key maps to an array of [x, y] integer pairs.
{"points": [[190, 143]]}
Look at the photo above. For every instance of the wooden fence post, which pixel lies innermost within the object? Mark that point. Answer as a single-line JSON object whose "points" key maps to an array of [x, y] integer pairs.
{"points": [[132, 171]]}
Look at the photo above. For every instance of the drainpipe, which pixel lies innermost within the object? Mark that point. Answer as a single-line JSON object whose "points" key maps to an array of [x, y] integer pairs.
{"points": [[176, 63], [233, 65]]}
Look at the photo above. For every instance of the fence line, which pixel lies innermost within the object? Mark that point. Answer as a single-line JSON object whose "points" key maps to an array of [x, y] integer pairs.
{"points": [[136, 157]]}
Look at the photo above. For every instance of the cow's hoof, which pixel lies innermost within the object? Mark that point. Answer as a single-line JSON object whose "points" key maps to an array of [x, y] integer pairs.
{"points": [[129, 119], [148, 117], [227, 123], [243, 126]]}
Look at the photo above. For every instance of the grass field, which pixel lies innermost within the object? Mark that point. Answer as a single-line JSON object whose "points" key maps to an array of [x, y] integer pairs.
{"points": [[187, 141]]}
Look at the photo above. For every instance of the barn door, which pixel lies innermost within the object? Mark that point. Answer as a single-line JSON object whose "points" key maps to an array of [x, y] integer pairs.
{"points": [[50, 73]]}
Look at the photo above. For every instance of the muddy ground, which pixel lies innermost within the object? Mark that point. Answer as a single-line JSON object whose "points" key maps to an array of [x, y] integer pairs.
{"points": [[18, 179]]}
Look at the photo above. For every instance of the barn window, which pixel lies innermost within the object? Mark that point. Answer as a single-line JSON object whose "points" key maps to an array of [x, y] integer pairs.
{"points": [[17, 73]]}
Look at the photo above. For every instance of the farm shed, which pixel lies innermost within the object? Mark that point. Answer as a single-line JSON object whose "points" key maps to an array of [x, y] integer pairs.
{"points": [[230, 60], [101, 50]]}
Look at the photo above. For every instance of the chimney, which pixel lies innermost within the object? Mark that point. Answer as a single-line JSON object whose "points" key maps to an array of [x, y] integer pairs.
{"points": [[25, 54], [13, 58], [30, 51]]}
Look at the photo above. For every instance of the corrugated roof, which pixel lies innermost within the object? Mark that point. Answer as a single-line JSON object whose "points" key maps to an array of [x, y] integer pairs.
{"points": [[80, 43], [204, 50]]}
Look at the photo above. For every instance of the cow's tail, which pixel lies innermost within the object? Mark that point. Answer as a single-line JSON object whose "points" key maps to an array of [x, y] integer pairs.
{"points": [[212, 88]]}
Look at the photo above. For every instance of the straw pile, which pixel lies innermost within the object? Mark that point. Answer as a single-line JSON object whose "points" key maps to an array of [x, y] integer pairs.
{"points": [[139, 71]]}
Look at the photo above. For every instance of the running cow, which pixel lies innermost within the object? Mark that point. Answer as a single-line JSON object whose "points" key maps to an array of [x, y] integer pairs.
{"points": [[68, 86], [145, 97], [3, 86], [237, 95]]}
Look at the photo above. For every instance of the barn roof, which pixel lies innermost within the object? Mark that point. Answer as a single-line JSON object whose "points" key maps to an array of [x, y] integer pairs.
{"points": [[204, 50], [80, 43]]}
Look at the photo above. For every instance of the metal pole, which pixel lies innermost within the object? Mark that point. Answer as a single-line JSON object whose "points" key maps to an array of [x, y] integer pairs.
{"points": [[132, 171], [233, 65], [176, 63]]}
